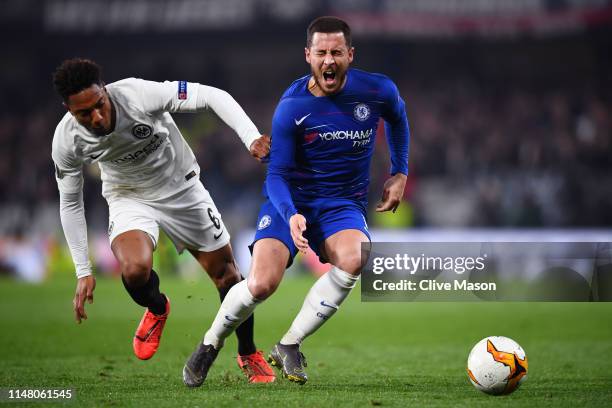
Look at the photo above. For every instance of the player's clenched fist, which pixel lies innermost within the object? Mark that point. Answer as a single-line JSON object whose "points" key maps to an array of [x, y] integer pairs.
{"points": [[260, 148], [297, 225], [84, 291]]}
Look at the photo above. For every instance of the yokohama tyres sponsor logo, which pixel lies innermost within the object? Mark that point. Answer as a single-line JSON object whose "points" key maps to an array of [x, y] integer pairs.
{"points": [[359, 137], [141, 154]]}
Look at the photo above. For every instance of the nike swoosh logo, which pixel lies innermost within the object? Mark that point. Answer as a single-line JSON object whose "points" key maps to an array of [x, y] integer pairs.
{"points": [[299, 122], [216, 237], [148, 334], [95, 157], [230, 319], [328, 305]]}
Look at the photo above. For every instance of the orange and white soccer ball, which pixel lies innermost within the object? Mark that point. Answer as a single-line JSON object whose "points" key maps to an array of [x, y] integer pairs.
{"points": [[497, 365]]}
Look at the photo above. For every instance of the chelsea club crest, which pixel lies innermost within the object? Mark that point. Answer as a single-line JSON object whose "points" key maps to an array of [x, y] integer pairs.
{"points": [[361, 112], [265, 222]]}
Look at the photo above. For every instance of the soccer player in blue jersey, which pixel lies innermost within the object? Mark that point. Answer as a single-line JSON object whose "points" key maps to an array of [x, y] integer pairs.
{"points": [[323, 135]]}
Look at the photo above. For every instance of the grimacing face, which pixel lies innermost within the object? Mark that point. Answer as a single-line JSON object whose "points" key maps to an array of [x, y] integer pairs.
{"points": [[92, 109], [329, 59]]}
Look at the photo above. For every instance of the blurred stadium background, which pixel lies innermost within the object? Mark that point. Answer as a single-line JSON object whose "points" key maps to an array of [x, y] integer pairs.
{"points": [[510, 106]]}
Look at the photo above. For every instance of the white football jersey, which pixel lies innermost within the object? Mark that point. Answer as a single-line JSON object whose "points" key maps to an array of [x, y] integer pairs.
{"points": [[145, 156]]}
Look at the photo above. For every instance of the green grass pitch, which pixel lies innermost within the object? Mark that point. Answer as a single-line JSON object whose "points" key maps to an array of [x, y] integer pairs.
{"points": [[369, 354]]}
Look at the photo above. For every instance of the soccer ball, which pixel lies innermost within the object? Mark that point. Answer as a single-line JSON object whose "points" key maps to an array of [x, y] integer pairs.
{"points": [[497, 365]]}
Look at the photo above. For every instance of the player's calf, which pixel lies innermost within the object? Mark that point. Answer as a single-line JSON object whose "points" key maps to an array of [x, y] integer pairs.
{"points": [[220, 266], [321, 303], [148, 333], [147, 294]]}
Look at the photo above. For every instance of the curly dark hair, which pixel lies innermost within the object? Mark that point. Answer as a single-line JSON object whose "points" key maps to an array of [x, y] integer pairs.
{"points": [[328, 24], [74, 75]]}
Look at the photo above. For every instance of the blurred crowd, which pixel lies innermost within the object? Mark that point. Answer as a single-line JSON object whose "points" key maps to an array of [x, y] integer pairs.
{"points": [[513, 157], [523, 158], [483, 152]]}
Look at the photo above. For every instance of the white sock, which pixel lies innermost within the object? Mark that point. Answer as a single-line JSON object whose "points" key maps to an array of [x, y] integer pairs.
{"points": [[237, 306], [322, 301]]}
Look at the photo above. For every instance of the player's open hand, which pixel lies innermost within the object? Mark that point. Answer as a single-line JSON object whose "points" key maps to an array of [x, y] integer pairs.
{"points": [[297, 225], [84, 291], [260, 148], [393, 191]]}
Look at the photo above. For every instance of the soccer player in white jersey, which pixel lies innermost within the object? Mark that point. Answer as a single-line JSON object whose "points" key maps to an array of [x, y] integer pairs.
{"points": [[150, 179]]}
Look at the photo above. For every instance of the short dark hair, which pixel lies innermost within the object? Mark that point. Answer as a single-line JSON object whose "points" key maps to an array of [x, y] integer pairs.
{"points": [[74, 75], [328, 24]]}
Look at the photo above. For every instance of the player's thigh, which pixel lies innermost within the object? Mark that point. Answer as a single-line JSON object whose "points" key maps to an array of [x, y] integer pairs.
{"points": [[220, 265], [343, 249], [270, 224], [133, 233], [191, 221], [270, 258], [338, 233]]}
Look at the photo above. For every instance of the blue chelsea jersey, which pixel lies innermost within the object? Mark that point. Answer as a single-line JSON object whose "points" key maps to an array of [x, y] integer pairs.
{"points": [[322, 146]]}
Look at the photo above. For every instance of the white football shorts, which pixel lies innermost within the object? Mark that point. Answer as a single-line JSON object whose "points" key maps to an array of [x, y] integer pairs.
{"points": [[189, 218]]}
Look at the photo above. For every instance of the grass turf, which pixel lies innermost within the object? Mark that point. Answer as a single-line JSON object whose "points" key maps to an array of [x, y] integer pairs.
{"points": [[370, 354]]}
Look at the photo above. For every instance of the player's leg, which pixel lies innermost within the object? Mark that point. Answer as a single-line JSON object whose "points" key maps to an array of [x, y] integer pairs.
{"points": [[133, 231], [270, 258], [336, 233], [134, 251], [343, 251], [221, 267]]}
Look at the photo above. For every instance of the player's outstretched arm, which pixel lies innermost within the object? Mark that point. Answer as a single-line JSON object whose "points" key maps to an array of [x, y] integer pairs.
{"points": [[182, 96], [393, 192], [230, 112]]}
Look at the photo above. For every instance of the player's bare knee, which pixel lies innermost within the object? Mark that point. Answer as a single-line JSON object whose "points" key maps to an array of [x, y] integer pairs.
{"points": [[261, 288], [350, 262], [135, 273]]}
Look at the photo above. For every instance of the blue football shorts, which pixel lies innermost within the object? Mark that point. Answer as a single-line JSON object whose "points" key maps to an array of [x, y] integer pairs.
{"points": [[324, 217]]}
